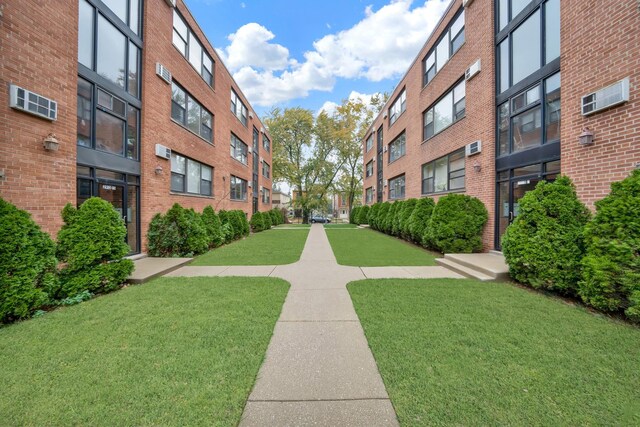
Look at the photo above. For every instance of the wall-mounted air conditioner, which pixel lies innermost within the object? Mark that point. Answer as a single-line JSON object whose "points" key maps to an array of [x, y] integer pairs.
{"points": [[251, 114], [261, 188], [472, 70], [162, 151], [32, 103], [474, 148], [163, 72], [250, 149], [250, 183], [609, 96]]}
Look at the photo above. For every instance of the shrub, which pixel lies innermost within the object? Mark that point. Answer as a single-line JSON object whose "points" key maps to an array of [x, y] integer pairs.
{"points": [[213, 226], [373, 214], [388, 220], [419, 220], [354, 215], [407, 210], [239, 223], [27, 264], [92, 245], [179, 232], [257, 222], [275, 217], [266, 216], [363, 215], [227, 227], [544, 245], [611, 279], [456, 224], [382, 215], [397, 215]]}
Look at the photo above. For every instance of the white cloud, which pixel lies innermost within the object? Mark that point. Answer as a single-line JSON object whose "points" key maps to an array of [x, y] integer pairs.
{"points": [[380, 46], [330, 107]]}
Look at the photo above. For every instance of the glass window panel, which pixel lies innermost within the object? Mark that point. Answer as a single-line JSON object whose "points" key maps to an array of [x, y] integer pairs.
{"points": [[443, 113], [179, 25], [517, 6], [504, 65], [132, 82], [552, 99], [83, 170], [460, 109], [457, 42], [178, 164], [442, 52], [456, 182], [177, 182], [193, 176], [553, 167], [85, 34], [533, 95], [458, 24], [84, 108], [132, 133], [119, 7], [552, 30], [456, 161], [526, 48], [526, 129], [134, 13], [195, 54], [111, 52], [527, 170], [109, 133], [504, 13], [441, 177], [179, 43], [503, 129], [193, 116], [459, 92], [431, 60], [115, 176]]}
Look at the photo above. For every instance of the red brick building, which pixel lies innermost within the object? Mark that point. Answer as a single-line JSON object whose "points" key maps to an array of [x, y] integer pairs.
{"points": [[144, 112], [480, 110]]}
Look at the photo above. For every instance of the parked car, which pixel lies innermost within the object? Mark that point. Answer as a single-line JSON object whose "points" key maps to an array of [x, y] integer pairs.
{"points": [[320, 220]]}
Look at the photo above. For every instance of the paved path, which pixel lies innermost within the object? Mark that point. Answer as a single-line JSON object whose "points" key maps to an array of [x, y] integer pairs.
{"points": [[318, 368]]}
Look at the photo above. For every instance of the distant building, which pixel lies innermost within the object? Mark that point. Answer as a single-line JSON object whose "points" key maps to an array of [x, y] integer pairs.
{"points": [[339, 206], [280, 200]]}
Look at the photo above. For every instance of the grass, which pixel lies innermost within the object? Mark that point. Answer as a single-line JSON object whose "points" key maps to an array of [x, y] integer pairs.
{"points": [[172, 352], [270, 247], [368, 248], [293, 226], [340, 226], [461, 352]]}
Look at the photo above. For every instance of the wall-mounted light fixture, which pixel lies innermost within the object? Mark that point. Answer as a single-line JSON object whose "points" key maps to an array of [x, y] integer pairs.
{"points": [[476, 166], [51, 143], [158, 170], [586, 138]]}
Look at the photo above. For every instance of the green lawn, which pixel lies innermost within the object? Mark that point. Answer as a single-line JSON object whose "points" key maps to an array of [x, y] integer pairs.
{"points": [[271, 247], [461, 352], [293, 226], [340, 226], [171, 352], [369, 248]]}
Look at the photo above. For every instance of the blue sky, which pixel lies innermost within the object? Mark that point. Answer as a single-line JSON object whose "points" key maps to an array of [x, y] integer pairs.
{"points": [[315, 53]]}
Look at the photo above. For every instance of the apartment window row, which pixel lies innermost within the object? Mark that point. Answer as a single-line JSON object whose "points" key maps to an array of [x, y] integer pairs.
{"points": [[128, 12], [189, 46], [238, 108], [266, 169], [396, 187], [369, 171], [369, 195], [530, 46], [266, 144], [105, 48], [370, 142], [106, 122], [190, 176], [449, 43], [448, 110], [238, 149], [188, 112], [266, 196], [530, 118], [398, 147], [444, 174], [398, 107], [238, 189]]}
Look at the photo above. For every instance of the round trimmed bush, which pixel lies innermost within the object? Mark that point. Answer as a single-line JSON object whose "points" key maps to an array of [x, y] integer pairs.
{"points": [[213, 226], [363, 215], [544, 245], [407, 209], [419, 219], [354, 214], [266, 217], [227, 226], [382, 216], [388, 220], [27, 265], [242, 222], [92, 245], [178, 233], [456, 224], [611, 276], [397, 216], [373, 215], [257, 222]]}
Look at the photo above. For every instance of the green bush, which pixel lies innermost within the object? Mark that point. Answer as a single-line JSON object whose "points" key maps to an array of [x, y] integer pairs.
{"points": [[407, 209], [397, 215], [381, 215], [275, 217], [92, 245], [268, 222], [257, 222], [419, 220], [180, 232], [363, 215], [239, 223], [456, 224], [544, 245], [27, 264], [227, 227], [354, 215], [611, 278], [373, 214], [213, 226], [387, 225]]}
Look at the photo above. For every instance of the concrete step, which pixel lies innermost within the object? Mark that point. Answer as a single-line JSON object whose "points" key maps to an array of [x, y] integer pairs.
{"points": [[461, 269], [149, 268], [488, 264]]}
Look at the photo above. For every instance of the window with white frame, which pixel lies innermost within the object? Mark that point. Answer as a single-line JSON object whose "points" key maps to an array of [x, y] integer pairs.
{"points": [[189, 46], [448, 110], [451, 40], [238, 189], [370, 142], [397, 148], [266, 169], [444, 174], [369, 169], [369, 195], [266, 196], [238, 149], [238, 108], [396, 187], [189, 113], [398, 107], [190, 176]]}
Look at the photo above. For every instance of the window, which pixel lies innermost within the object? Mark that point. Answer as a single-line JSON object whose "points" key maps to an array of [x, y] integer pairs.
{"points": [[396, 187], [115, 127], [451, 40], [444, 174], [238, 149], [186, 111], [238, 108], [238, 188], [448, 110], [266, 195], [266, 144], [370, 142], [266, 169], [129, 15], [189, 46], [369, 195], [398, 107], [369, 169], [397, 148], [190, 176], [505, 17]]}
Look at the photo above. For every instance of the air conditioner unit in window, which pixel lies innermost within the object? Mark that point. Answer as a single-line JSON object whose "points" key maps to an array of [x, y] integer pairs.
{"points": [[250, 183], [261, 188], [163, 72], [250, 114], [32, 103], [162, 151], [250, 150], [472, 70], [262, 129], [609, 96], [261, 160], [474, 148]]}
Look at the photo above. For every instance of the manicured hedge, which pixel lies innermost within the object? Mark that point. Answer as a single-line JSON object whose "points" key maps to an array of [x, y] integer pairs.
{"points": [[373, 214], [363, 215], [382, 215], [419, 219], [258, 222], [407, 211], [354, 215], [456, 224], [213, 225], [178, 233], [397, 216]]}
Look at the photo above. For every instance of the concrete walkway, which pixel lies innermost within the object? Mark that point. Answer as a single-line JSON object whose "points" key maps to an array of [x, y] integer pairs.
{"points": [[318, 368]]}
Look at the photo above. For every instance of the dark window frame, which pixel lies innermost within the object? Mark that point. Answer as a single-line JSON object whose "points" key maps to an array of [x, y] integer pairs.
{"points": [[369, 194], [239, 193], [402, 138], [207, 75], [428, 74], [241, 152], [455, 115], [184, 122], [236, 102], [266, 143], [402, 99], [392, 195], [185, 177], [267, 193], [367, 173], [450, 174], [268, 169]]}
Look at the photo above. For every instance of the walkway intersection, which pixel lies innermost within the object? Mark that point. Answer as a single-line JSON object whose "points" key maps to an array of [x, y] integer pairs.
{"points": [[318, 369]]}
